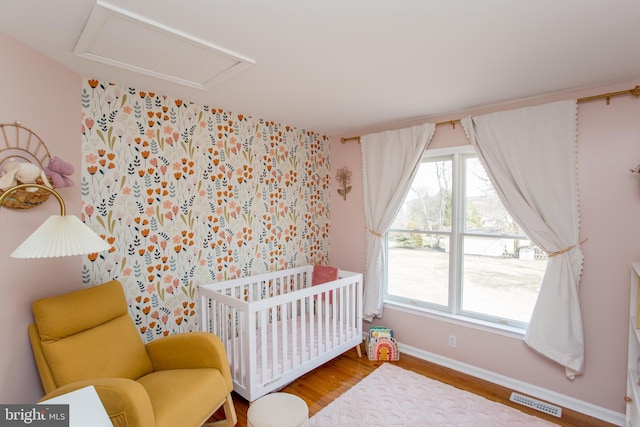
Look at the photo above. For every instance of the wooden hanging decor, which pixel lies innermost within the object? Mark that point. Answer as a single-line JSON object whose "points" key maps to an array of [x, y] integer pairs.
{"points": [[344, 179]]}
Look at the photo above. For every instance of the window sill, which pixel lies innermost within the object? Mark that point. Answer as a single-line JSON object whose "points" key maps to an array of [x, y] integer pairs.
{"points": [[494, 328]]}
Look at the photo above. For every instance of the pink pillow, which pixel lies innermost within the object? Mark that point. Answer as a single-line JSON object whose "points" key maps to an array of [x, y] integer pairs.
{"points": [[324, 274]]}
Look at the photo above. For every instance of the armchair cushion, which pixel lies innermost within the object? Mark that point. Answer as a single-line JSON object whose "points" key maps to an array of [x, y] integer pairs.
{"points": [[196, 389], [90, 340], [55, 320], [113, 349], [193, 350]]}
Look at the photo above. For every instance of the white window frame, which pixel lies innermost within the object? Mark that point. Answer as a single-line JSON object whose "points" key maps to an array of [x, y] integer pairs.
{"points": [[453, 312]]}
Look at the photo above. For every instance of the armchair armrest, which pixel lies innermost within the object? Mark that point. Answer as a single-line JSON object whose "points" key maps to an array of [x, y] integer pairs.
{"points": [[190, 350], [126, 402]]}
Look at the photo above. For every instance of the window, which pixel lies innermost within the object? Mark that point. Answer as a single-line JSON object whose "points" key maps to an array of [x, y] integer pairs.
{"points": [[454, 248]]}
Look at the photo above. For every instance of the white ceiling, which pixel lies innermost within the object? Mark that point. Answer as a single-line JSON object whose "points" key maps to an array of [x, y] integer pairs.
{"points": [[341, 66]]}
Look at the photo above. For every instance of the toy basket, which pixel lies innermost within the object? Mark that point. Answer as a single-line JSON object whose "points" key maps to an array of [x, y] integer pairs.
{"points": [[23, 199], [19, 142]]}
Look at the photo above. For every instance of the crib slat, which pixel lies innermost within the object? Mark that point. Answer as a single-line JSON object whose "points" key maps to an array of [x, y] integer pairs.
{"points": [[347, 312], [304, 312], [274, 342], [294, 334], [334, 318], [263, 331], [312, 328], [340, 332], [327, 320], [321, 328], [285, 338], [350, 307], [237, 339]]}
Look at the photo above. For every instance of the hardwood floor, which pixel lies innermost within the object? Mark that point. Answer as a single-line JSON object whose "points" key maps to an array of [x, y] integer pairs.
{"points": [[324, 384]]}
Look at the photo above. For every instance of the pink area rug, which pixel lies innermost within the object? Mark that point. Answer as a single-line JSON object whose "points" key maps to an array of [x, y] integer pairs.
{"points": [[392, 396]]}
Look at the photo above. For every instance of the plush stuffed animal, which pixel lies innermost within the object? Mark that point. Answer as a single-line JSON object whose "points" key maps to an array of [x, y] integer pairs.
{"points": [[15, 172], [57, 169]]}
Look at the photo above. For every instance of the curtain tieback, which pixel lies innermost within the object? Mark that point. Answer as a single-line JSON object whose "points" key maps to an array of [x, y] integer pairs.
{"points": [[567, 249], [375, 233]]}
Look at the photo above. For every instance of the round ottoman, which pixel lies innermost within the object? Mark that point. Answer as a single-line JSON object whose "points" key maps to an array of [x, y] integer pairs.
{"points": [[278, 410]]}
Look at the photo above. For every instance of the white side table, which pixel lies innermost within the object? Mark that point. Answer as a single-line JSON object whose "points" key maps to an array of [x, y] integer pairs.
{"points": [[85, 408]]}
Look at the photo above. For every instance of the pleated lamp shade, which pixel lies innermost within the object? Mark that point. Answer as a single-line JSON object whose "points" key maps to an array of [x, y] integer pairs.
{"points": [[58, 236]]}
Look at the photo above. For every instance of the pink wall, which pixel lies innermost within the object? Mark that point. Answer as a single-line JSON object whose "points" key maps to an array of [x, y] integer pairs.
{"points": [[44, 97], [608, 146], [346, 238]]}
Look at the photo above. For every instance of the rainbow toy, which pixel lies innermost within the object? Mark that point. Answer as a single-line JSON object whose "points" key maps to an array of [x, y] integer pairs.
{"points": [[381, 345]]}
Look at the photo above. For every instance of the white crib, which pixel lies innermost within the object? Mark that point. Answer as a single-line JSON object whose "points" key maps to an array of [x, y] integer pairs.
{"points": [[277, 326]]}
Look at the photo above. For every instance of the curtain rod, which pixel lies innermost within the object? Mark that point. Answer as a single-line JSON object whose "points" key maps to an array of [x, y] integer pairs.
{"points": [[635, 92]]}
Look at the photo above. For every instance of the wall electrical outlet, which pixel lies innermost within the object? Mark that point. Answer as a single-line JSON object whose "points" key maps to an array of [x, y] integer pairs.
{"points": [[452, 341]]}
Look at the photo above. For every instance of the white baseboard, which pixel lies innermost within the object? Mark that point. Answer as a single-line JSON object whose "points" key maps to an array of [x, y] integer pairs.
{"points": [[519, 386]]}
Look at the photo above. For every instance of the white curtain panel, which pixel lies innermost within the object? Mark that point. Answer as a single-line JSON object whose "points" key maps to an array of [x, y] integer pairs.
{"points": [[530, 157], [389, 162]]}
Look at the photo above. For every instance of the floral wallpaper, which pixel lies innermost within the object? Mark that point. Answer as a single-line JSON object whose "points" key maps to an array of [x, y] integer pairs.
{"points": [[187, 195]]}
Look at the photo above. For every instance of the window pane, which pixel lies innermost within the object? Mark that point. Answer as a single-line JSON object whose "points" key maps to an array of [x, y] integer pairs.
{"points": [[499, 270], [484, 211], [419, 267], [427, 205], [501, 277]]}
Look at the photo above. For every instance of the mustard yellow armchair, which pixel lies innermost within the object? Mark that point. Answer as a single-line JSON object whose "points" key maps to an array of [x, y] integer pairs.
{"points": [[87, 338]]}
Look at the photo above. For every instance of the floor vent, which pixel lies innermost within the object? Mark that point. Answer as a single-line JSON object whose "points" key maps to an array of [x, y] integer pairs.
{"points": [[536, 404]]}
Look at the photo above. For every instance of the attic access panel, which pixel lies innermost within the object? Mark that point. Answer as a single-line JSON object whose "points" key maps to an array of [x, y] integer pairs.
{"points": [[120, 38]]}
